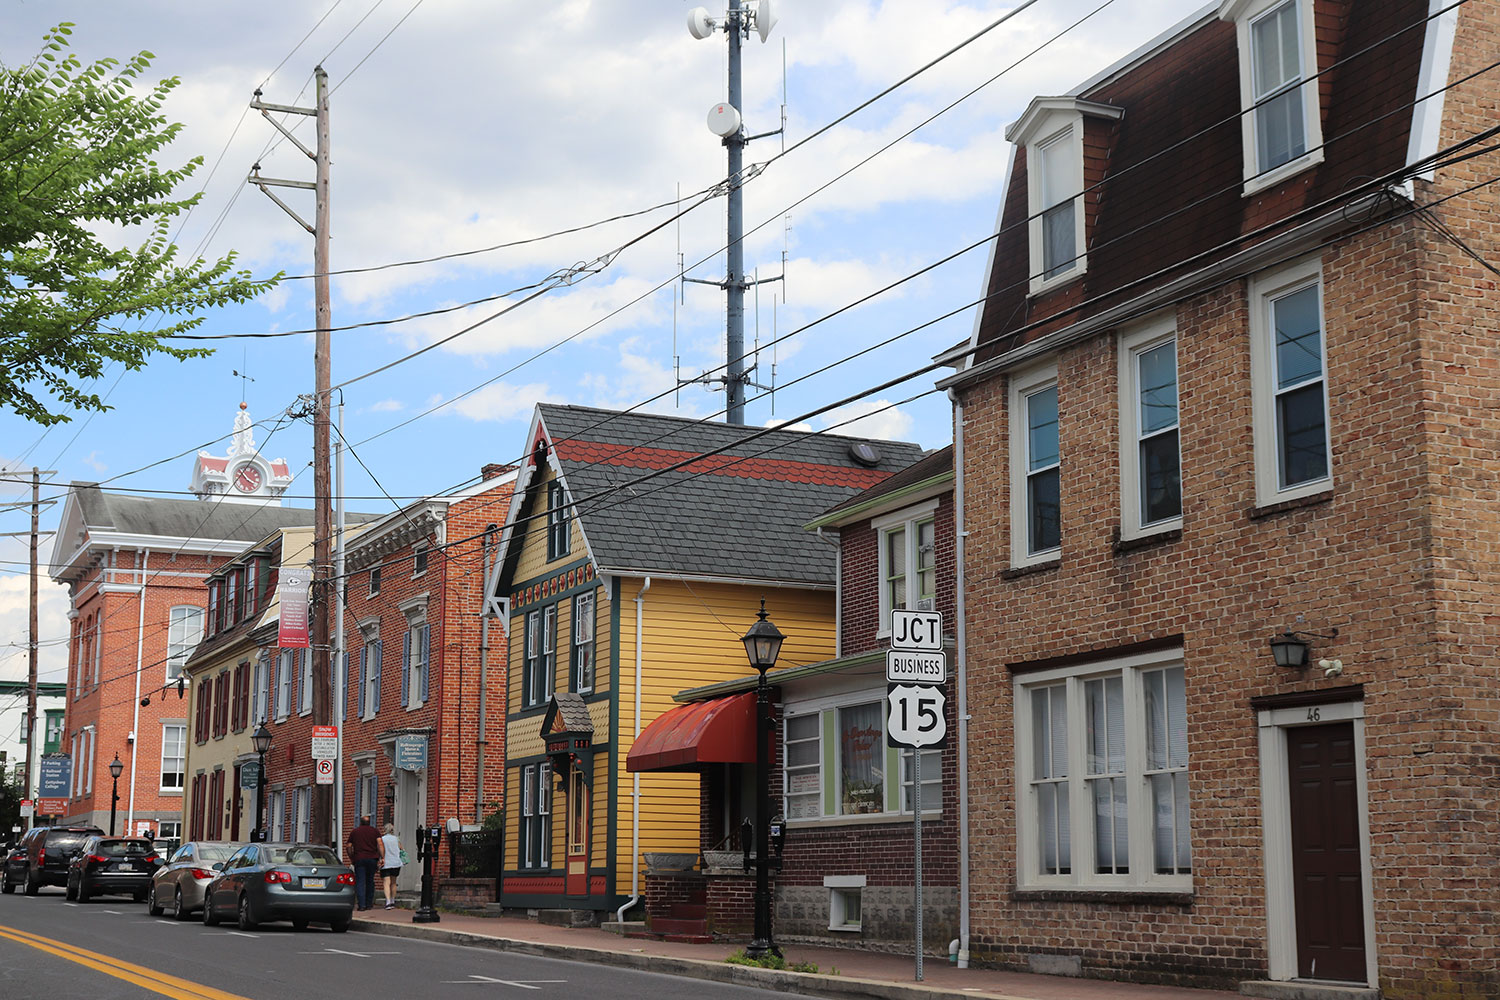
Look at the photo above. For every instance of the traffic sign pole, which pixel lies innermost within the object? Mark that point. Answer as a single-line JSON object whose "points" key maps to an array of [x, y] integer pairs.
{"points": [[916, 822]]}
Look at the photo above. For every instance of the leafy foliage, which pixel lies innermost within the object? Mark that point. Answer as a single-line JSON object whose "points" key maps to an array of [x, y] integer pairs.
{"points": [[77, 148], [771, 960]]}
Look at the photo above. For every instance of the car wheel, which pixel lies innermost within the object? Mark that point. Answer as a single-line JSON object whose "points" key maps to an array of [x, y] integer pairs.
{"points": [[5, 885], [247, 921], [31, 885], [70, 893], [338, 926], [179, 909], [299, 925], [82, 892], [210, 918]]}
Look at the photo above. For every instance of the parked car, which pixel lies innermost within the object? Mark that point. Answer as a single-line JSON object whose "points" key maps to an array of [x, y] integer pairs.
{"points": [[49, 851], [112, 866], [13, 869], [180, 882], [296, 882]]}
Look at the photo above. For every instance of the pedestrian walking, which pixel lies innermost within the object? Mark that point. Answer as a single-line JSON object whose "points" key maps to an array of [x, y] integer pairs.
{"points": [[364, 852], [390, 864]]}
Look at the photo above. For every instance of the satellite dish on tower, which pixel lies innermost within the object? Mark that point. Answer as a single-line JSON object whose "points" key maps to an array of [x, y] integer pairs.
{"points": [[723, 120], [700, 25], [765, 19]]}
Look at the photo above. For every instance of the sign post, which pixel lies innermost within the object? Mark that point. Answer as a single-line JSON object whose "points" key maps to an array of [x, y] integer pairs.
{"points": [[915, 672]]}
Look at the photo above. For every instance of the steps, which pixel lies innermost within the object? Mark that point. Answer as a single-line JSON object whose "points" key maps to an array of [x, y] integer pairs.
{"points": [[686, 923]]}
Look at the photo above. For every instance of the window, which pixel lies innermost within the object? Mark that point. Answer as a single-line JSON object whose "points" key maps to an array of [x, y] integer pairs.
{"points": [[215, 607], [541, 627], [305, 695], [205, 689], [284, 677], [1281, 126], [1150, 455], [184, 631], [168, 829], [1103, 795], [276, 817], [173, 756], [234, 598], [415, 653], [302, 809], [263, 687], [804, 755], [536, 816], [583, 643], [1059, 180], [242, 697], [844, 898], [369, 678], [860, 774], [419, 559], [558, 526], [908, 561], [837, 763], [1290, 393], [374, 581], [931, 796], [54, 730], [1036, 468]]}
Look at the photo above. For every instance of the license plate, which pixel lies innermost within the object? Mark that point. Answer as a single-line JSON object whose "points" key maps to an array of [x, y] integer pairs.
{"points": [[121, 866], [315, 883]]}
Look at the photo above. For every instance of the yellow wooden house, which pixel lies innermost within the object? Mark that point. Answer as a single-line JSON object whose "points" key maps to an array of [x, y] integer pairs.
{"points": [[635, 554]]}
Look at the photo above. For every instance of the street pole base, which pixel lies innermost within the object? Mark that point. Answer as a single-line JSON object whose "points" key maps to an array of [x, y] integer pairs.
{"points": [[426, 915], [760, 948]]}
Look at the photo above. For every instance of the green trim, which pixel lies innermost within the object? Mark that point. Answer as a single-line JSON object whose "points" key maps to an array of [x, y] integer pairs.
{"points": [[892, 779], [865, 508], [557, 571], [738, 684], [612, 813], [830, 762], [44, 689]]}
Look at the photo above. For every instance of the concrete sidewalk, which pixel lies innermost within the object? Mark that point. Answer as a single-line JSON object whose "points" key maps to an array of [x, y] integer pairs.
{"points": [[859, 973]]}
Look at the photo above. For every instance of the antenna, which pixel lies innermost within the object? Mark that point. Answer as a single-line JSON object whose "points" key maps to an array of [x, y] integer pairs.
{"points": [[242, 375], [677, 358]]}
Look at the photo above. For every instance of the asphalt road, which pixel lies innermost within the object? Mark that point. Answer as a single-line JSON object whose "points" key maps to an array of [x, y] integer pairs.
{"points": [[52, 948]]}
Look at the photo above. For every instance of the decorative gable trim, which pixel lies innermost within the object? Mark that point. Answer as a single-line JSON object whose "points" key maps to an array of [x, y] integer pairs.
{"points": [[1045, 114], [1427, 112]]}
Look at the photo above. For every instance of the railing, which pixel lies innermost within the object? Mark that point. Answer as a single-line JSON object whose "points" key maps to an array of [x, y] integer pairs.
{"points": [[476, 854]]}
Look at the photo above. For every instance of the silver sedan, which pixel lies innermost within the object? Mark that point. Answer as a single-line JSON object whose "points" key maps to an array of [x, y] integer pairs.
{"points": [[179, 883], [297, 882]]}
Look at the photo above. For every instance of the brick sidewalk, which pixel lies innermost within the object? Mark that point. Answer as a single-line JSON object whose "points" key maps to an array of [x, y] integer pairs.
{"points": [[858, 972]]}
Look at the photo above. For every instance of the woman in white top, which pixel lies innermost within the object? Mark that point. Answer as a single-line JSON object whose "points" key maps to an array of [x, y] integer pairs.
{"points": [[390, 864]]}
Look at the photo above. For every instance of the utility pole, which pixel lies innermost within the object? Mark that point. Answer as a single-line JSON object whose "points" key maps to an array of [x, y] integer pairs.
{"points": [[36, 513], [320, 821]]}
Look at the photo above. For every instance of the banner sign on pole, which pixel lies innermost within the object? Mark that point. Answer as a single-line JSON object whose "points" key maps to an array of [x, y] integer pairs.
{"points": [[292, 594]]}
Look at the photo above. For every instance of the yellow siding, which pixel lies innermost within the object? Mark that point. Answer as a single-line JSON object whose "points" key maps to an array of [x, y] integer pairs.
{"points": [[692, 637]]}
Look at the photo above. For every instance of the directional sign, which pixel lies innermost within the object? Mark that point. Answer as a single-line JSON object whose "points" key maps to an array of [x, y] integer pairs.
{"points": [[915, 668], [915, 719], [56, 774], [325, 742], [916, 631], [324, 772], [51, 807]]}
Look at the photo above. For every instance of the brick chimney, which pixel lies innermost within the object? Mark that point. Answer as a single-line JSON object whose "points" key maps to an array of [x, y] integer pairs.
{"points": [[494, 470]]}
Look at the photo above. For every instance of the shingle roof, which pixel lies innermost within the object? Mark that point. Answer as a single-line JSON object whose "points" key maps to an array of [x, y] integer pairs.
{"points": [[933, 465], [735, 514]]}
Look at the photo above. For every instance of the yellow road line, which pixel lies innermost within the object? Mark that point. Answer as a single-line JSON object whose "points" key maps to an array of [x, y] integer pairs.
{"points": [[157, 982]]}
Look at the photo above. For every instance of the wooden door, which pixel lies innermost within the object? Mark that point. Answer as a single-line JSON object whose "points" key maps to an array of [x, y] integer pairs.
{"points": [[238, 795], [577, 878], [1326, 855]]}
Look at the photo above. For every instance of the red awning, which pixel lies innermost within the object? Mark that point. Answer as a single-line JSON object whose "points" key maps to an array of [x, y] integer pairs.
{"points": [[721, 731]]}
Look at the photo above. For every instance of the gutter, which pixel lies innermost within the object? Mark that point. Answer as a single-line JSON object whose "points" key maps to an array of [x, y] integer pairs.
{"points": [[836, 518], [635, 791]]}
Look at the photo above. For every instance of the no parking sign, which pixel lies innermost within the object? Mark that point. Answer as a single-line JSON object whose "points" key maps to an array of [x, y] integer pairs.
{"points": [[324, 772]]}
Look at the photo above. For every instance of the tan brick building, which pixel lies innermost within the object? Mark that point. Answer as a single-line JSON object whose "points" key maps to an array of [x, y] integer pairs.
{"points": [[1235, 377]]}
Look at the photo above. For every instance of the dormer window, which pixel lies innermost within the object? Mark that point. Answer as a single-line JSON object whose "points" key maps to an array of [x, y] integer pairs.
{"points": [[1278, 93], [1054, 132]]}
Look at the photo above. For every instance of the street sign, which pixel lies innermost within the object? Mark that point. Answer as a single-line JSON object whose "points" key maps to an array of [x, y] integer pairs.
{"points": [[56, 775], [250, 774], [324, 772], [903, 667], [916, 631], [26, 810], [325, 742], [51, 807], [915, 719]]}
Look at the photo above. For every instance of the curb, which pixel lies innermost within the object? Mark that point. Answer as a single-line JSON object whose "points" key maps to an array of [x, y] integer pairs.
{"points": [[806, 983]]}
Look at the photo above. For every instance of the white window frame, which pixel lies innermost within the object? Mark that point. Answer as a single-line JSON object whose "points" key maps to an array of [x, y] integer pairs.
{"points": [[1022, 386], [286, 662], [842, 889], [374, 580], [180, 757], [305, 688], [1142, 875], [416, 664], [373, 673], [1264, 290], [182, 637], [1134, 343], [421, 552], [904, 520], [1036, 207], [585, 615], [304, 812], [1244, 14]]}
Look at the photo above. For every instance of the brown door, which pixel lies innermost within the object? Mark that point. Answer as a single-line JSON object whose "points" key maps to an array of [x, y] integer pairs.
{"points": [[1326, 853], [577, 877], [238, 796]]}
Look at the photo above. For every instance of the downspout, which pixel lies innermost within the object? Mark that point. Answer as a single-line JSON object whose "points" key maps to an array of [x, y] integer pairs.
{"points": [[962, 671], [135, 722], [481, 741], [635, 792]]}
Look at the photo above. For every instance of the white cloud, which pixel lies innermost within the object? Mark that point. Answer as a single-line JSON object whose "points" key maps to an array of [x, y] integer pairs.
{"points": [[784, 425], [385, 406], [501, 401], [874, 418], [52, 623], [636, 377], [92, 461]]}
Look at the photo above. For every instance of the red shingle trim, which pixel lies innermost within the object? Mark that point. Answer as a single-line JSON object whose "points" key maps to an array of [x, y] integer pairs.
{"points": [[779, 470]]}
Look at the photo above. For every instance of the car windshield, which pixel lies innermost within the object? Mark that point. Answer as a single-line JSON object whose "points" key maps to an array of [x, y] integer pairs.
{"points": [[215, 852], [65, 842], [124, 848], [301, 856]]}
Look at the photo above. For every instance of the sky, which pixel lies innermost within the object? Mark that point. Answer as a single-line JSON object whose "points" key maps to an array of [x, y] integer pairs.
{"points": [[459, 125]]}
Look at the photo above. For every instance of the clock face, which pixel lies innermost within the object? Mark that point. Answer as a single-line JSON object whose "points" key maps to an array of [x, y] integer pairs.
{"points": [[247, 479]]}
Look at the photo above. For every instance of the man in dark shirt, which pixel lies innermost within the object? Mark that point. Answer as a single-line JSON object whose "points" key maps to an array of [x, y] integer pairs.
{"points": [[364, 851]]}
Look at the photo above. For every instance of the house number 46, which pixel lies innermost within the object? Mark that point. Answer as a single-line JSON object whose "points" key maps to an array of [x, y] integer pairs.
{"points": [[1313, 715]]}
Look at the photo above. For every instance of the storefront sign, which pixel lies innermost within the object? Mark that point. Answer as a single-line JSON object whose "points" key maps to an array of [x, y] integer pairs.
{"points": [[250, 775], [411, 752]]}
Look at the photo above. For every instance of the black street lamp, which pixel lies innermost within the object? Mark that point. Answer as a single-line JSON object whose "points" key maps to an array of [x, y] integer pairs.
{"points": [[762, 644], [115, 767], [261, 741]]}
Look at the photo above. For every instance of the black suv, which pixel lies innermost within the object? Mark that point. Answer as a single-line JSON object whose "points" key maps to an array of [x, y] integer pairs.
{"points": [[49, 851]]}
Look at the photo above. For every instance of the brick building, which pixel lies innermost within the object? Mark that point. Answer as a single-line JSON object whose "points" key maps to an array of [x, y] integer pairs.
{"points": [[135, 569], [416, 673], [1234, 379]]}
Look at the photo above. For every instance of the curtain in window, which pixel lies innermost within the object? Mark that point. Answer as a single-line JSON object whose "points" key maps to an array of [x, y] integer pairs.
{"points": [[861, 759], [1049, 741], [1105, 701], [1166, 768]]}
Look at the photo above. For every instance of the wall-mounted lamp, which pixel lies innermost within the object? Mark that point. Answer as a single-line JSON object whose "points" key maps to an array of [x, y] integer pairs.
{"points": [[1289, 649]]}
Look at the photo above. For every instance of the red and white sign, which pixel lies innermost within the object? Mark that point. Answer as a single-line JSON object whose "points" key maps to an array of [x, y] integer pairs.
{"points": [[51, 807], [292, 595], [325, 743], [324, 772]]}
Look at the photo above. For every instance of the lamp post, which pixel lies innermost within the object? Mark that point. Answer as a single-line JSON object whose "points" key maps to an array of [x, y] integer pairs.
{"points": [[115, 768], [261, 741], [762, 644]]}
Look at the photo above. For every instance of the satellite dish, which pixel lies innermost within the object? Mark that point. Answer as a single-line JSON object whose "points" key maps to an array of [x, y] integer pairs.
{"points": [[700, 25], [765, 19], [723, 120]]}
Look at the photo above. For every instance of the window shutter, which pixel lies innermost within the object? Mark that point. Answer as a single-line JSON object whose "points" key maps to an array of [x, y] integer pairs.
{"points": [[377, 664], [258, 670], [359, 689], [344, 672], [426, 660], [295, 666], [406, 669]]}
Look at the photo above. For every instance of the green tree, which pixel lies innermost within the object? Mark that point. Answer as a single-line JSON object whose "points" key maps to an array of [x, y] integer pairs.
{"points": [[77, 148]]}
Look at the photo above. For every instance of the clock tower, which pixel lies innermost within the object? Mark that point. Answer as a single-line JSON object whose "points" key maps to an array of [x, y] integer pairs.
{"points": [[242, 476]]}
